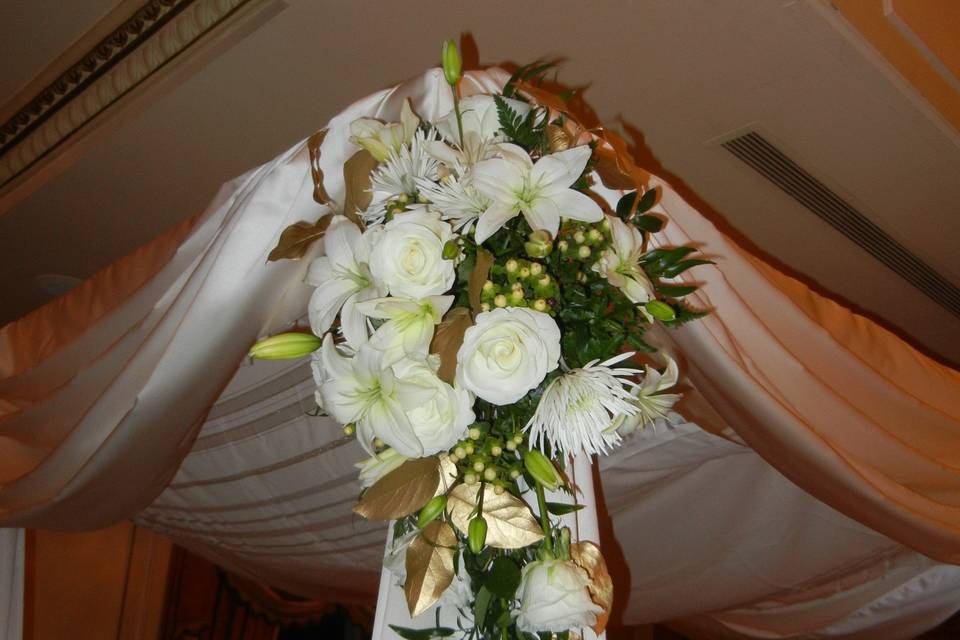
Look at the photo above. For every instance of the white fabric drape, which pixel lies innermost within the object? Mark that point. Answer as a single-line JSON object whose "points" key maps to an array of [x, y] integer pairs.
{"points": [[12, 551]]}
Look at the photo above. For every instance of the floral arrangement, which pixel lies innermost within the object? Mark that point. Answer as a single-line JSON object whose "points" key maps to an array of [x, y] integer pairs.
{"points": [[477, 320]]}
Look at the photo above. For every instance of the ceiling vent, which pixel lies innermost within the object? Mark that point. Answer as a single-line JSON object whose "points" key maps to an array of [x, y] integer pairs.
{"points": [[776, 167]]}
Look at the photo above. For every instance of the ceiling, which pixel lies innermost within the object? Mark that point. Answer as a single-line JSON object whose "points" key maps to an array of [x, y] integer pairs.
{"points": [[684, 74]]}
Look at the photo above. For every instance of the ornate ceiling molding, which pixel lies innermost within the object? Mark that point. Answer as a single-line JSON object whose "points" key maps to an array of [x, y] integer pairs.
{"points": [[156, 34]]}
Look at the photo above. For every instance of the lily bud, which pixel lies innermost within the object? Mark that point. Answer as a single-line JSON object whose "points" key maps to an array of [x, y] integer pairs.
{"points": [[477, 534], [431, 510], [660, 310], [542, 470], [452, 64], [285, 346]]}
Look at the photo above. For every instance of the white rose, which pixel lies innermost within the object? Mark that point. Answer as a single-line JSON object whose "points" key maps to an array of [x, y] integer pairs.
{"points": [[379, 465], [507, 353], [554, 597], [408, 255], [441, 413]]}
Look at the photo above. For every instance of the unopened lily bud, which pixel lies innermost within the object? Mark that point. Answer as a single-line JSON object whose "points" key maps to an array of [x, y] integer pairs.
{"points": [[450, 250], [542, 470], [661, 310], [477, 534], [431, 510], [452, 64], [285, 346]]}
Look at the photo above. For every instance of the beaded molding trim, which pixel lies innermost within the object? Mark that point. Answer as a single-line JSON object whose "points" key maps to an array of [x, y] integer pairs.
{"points": [[154, 35]]}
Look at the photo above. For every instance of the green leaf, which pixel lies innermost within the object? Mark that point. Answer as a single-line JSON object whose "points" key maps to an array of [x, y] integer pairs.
{"points": [[672, 291], [562, 508], [625, 204], [650, 224], [522, 131], [423, 634], [480, 605], [503, 578], [684, 314], [683, 265]]}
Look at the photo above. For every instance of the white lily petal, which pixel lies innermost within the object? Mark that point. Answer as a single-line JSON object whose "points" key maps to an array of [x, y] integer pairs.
{"points": [[545, 215], [577, 206], [388, 418], [326, 301], [492, 220], [341, 236]]}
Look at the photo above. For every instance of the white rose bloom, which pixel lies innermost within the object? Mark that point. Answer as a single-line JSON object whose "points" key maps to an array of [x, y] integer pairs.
{"points": [[508, 352], [407, 256], [554, 597], [379, 465], [444, 412]]}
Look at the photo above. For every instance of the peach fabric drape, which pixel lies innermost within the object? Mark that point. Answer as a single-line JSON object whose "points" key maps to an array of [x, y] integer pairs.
{"points": [[838, 404]]}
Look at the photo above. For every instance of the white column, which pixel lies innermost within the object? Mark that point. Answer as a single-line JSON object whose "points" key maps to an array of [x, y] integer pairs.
{"points": [[392, 606]]}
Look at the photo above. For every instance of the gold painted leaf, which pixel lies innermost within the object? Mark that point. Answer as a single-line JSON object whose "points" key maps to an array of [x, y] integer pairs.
{"points": [[588, 557], [356, 180], [429, 566], [297, 238], [558, 137], [448, 474], [313, 146], [402, 491], [481, 270], [447, 340], [510, 524]]}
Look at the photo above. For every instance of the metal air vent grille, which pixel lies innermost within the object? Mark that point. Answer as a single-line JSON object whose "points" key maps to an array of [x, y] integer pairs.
{"points": [[786, 174]]}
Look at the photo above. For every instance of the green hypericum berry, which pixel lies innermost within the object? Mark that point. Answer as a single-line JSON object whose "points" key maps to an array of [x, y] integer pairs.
{"points": [[500, 300], [450, 250], [661, 310], [489, 474], [431, 510], [477, 534]]}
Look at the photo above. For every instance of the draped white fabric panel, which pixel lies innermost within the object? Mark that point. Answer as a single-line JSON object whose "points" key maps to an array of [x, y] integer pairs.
{"points": [[12, 548]]}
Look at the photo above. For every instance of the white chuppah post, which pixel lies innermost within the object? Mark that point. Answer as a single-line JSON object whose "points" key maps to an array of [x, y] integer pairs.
{"points": [[392, 606], [12, 549]]}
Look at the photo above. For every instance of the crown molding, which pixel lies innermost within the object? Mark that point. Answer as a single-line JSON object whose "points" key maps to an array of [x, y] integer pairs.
{"points": [[159, 38]]}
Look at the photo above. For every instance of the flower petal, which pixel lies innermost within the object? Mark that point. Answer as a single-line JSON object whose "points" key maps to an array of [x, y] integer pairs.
{"points": [[326, 301], [387, 419], [491, 220], [577, 206], [544, 214], [341, 237]]}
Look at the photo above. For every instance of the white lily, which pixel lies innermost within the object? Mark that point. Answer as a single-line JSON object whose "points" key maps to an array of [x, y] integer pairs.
{"points": [[381, 139], [648, 398], [379, 465], [620, 263], [540, 191], [342, 279], [481, 131], [575, 412], [409, 325], [362, 391]]}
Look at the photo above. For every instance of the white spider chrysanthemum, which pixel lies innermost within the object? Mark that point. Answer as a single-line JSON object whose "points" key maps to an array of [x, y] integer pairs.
{"points": [[456, 199], [578, 407], [400, 175]]}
